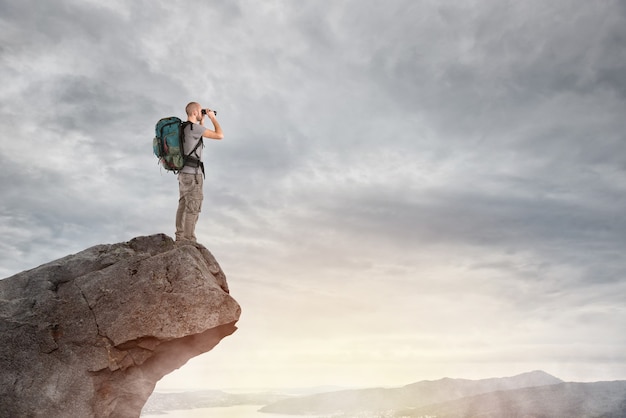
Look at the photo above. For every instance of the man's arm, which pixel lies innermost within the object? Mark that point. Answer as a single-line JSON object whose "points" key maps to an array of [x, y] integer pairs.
{"points": [[215, 133]]}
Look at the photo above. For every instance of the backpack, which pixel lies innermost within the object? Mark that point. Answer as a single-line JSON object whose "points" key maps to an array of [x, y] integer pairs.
{"points": [[168, 144]]}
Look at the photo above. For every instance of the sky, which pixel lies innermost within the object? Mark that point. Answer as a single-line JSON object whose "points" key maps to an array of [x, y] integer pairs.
{"points": [[406, 190]]}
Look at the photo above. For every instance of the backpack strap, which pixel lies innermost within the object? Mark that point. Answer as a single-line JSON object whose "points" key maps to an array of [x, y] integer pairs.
{"points": [[188, 157], [195, 159]]}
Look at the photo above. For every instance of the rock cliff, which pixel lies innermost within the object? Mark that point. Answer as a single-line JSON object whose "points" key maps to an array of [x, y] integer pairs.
{"points": [[90, 334]]}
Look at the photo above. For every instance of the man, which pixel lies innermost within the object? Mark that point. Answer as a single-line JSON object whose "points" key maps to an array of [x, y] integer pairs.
{"points": [[190, 178]]}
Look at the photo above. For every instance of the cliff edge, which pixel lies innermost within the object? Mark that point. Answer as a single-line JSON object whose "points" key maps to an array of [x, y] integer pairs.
{"points": [[90, 334]]}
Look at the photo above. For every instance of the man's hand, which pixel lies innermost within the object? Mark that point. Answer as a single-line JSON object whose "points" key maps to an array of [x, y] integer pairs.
{"points": [[213, 134]]}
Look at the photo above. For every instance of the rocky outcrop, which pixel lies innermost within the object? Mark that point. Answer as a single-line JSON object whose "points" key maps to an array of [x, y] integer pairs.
{"points": [[89, 335]]}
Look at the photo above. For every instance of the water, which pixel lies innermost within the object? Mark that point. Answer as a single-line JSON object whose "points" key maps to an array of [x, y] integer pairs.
{"points": [[239, 411]]}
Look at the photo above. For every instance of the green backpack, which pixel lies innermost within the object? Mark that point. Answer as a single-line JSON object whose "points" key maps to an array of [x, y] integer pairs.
{"points": [[168, 143]]}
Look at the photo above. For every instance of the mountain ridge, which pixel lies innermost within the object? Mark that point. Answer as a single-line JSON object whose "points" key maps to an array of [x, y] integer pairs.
{"points": [[552, 398], [413, 395], [561, 400]]}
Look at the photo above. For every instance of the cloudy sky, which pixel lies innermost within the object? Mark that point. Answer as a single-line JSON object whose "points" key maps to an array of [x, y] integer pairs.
{"points": [[406, 190]]}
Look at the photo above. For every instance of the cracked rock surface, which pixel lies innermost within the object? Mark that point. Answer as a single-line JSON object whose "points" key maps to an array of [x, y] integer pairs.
{"points": [[90, 334]]}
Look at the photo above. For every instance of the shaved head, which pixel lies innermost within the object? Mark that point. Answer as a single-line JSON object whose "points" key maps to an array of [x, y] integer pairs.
{"points": [[191, 107]]}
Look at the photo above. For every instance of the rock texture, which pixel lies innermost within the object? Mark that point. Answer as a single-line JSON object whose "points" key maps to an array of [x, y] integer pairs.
{"points": [[89, 335]]}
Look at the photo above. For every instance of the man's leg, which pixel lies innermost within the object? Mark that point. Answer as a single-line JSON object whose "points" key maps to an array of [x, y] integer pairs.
{"points": [[180, 229], [193, 206], [189, 205]]}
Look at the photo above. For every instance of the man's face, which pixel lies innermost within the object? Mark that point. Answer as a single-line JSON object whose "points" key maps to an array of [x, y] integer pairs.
{"points": [[199, 113]]}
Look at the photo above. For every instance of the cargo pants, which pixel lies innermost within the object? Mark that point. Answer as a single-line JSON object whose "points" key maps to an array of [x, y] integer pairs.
{"points": [[189, 205]]}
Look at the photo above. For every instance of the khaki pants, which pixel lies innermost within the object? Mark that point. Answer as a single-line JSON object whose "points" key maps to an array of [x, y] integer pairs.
{"points": [[189, 205]]}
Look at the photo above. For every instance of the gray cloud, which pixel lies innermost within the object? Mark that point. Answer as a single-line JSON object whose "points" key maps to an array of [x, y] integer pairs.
{"points": [[448, 149]]}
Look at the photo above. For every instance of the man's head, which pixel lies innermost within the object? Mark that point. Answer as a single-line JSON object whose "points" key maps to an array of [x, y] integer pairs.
{"points": [[194, 112]]}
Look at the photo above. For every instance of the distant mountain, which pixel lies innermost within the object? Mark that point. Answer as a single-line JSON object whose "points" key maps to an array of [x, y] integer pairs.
{"points": [[410, 396], [161, 402], [529, 395], [564, 400]]}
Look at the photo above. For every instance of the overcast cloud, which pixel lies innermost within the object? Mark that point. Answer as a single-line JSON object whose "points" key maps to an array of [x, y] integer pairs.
{"points": [[406, 189]]}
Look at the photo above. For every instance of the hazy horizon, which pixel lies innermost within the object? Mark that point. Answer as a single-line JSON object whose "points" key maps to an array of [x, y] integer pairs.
{"points": [[307, 390], [406, 190]]}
